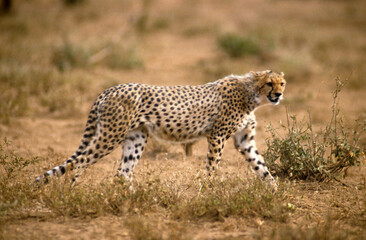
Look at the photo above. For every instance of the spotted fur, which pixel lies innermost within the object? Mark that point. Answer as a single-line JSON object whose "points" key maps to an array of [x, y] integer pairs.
{"points": [[125, 115]]}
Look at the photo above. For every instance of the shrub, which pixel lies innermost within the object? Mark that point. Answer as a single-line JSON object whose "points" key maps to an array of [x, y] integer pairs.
{"points": [[10, 162], [237, 46], [68, 56], [304, 154], [14, 194]]}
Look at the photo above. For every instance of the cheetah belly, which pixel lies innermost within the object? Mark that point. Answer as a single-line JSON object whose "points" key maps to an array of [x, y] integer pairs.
{"points": [[177, 135]]}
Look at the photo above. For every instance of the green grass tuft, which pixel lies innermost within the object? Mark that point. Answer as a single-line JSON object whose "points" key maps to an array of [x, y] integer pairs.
{"points": [[68, 56], [238, 46]]}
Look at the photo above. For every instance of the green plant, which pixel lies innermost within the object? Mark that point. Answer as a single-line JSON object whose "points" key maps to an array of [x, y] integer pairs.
{"points": [[10, 162], [14, 194], [237, 45], [304, 154], [68, 56]]}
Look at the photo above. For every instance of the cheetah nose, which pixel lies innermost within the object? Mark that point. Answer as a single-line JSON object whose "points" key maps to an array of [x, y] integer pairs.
{"points": [[278, 94]]}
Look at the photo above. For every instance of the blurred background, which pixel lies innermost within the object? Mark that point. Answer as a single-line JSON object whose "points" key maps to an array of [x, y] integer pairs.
{"points": [[56, 56]]}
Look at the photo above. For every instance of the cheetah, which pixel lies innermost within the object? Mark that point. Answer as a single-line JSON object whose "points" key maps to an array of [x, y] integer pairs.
{"points": [[127, 114]]}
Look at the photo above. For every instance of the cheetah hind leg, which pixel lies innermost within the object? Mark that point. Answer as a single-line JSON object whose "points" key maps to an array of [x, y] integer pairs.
{"points": [[132, 148], [98, 140], [98, 148]]}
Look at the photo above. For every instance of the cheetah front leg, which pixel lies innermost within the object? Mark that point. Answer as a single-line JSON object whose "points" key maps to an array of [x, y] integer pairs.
{"points": [[245, 144], [215, 146]]}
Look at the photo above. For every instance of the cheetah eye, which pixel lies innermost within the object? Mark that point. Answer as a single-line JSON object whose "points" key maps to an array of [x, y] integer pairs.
{"points": [[282, 84], [269, 84]]}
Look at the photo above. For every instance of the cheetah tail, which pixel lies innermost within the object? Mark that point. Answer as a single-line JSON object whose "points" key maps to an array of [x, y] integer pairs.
{"points": [[90, 130], [56, 171]]}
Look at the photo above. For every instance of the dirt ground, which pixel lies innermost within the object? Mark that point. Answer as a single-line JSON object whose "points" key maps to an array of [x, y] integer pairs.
{"points": [[175, 43]]}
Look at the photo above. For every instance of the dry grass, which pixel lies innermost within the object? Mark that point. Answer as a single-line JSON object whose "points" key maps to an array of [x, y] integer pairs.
{"points": [[201, 199], [212, 199]]}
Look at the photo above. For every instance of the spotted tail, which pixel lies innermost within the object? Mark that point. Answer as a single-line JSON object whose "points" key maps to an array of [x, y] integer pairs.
{"points": [[70, 164]]}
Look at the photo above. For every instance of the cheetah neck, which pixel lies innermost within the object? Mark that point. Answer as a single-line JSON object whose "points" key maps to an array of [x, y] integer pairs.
{"points": [[260, 100]]}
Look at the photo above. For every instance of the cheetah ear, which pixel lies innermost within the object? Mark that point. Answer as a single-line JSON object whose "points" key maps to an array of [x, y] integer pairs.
{"points": [[256, 75], [282, 74], [252, 75]]}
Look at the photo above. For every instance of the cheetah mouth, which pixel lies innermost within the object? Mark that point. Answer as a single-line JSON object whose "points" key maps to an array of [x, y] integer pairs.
{"points": [[274, 100]]}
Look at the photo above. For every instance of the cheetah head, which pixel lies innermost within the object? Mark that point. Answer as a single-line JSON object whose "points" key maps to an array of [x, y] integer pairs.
{"points": [[270, 86]]}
